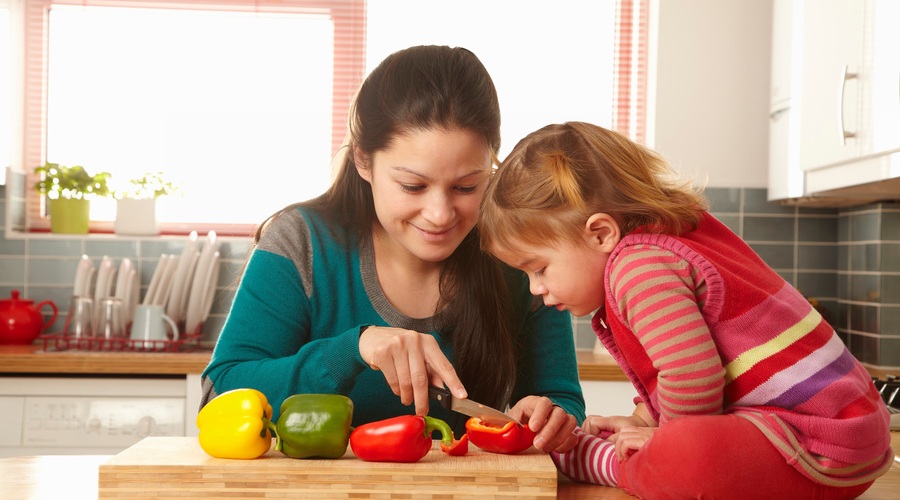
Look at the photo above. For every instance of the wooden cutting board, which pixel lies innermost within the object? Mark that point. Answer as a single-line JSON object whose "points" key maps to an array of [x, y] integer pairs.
{"points": [[176, 467]]}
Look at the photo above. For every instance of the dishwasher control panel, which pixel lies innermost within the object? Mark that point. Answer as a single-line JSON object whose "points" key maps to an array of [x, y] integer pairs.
{"points": [[99, 422]]}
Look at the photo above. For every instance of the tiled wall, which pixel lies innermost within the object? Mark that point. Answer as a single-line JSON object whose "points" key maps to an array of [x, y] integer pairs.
{"points": [[848, 259], [42, 267]]}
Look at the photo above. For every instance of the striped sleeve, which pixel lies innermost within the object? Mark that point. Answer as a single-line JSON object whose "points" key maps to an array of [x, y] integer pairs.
{"points": [[593, 460], [659, 296]]}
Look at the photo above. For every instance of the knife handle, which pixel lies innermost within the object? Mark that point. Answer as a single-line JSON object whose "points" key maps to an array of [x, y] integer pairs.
{"points": [[440, 395]]}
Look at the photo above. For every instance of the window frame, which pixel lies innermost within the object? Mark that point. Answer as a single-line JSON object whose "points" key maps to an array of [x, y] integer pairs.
{"points": [[349, 17], [630, 89]]}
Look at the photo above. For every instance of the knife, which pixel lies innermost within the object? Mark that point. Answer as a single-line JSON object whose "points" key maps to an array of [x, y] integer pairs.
{"points": [[469, 407]]}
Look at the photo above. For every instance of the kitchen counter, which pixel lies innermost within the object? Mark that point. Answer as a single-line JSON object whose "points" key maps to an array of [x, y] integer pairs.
{"points": [[32, 359], [75, 477]]}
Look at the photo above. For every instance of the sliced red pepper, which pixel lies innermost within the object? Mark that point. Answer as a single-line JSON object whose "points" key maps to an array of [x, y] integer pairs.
{"points": [[508, 439], [406, 438], [459, 447]]}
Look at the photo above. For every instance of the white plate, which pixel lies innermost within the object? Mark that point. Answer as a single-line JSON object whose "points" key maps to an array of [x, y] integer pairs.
{"points": [[122, 285], [83, 277], [132, 293], [181, 282], [193, 315], [211, 288], [106, 273], [202, 294], [154, 280], [165, 281]]}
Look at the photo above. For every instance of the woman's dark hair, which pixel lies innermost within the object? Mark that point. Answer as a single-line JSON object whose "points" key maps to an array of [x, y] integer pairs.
{"points": [[421, 88]]}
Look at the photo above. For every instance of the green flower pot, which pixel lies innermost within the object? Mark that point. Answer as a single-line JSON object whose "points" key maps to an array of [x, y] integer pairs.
{"points": [[69, 216]]}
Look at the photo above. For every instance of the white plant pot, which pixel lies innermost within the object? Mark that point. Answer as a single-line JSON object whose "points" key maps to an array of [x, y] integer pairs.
{"points": [[136, 217]]}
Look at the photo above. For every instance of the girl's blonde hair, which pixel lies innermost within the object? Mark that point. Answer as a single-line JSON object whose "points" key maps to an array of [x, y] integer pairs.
{"points": [[557, 177]]}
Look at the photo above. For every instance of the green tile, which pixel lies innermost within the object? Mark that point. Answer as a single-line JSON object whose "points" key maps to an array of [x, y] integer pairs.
{"points": [[889, 352], [723, 200], [890, 320], [865, 288], [890, 257], [768, 228], [813, 284], [12, 271], [777, 256], [890, 226], [756, 202], [864, 227], [55, 247], [817, 229], [890, 289], [817, 257]]}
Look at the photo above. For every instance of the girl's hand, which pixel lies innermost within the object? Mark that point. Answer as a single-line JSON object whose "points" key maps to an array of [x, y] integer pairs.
{"points": [[554, 427], [630, 439], [410, 361], [609, 426]]}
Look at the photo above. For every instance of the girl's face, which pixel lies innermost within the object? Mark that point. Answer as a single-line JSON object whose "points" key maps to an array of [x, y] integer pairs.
{"points": [[568, 276], [427, 187]]}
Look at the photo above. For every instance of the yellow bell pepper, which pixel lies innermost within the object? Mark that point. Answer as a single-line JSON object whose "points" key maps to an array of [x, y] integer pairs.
{"points": [[236, 424]]}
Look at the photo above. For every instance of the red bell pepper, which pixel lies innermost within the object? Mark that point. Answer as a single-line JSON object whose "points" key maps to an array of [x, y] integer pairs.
{"points": [[459, 447], [508, 439], [406, 438]]}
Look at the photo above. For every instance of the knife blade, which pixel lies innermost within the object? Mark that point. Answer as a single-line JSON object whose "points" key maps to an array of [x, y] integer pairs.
{"points": [[469, 407]]}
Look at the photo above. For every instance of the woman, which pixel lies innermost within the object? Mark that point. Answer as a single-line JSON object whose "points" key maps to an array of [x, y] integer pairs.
{"points": [[378, 288]]}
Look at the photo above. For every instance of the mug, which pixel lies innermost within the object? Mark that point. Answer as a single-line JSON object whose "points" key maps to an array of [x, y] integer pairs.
{"points": [[149, 326], [79, 322], [110, 324]]}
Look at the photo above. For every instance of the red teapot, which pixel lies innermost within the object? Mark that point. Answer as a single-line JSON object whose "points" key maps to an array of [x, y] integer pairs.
{"points": [[20, 321]]}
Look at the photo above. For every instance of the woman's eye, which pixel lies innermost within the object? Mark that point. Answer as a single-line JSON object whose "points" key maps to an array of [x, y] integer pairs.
{"points": [[411, 188], [540, 272], [467, 189]]}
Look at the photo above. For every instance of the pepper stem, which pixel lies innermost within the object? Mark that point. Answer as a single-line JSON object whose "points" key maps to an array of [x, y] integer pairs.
{"points": [[435, 424], [269, 427]]}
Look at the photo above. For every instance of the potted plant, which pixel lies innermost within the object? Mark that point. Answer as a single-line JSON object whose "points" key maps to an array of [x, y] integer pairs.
{"points": [[136, 204], [69, 191]]}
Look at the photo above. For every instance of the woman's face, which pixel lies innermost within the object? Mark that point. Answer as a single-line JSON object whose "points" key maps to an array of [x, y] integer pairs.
{"points": [[427, 187]]}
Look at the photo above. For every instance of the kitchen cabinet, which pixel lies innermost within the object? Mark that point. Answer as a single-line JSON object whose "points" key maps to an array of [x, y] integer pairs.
{"points": [[835, 99]]}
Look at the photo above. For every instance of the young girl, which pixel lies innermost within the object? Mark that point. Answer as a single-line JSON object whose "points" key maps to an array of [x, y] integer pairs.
{"points": [[744, 391], [379, 287]]}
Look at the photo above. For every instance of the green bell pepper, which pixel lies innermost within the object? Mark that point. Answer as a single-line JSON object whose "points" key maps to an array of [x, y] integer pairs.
{"points": [[314, 426]]}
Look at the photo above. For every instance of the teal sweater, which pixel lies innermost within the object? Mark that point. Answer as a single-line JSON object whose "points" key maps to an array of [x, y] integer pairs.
{"points": [[295, 322]]}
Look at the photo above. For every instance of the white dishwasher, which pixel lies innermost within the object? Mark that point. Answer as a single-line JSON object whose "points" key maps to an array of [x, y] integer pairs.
{"points": [[91, 415]]}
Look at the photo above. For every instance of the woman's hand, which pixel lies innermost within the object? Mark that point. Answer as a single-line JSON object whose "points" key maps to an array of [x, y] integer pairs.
{"points": [[410, 361], [554, 427]]}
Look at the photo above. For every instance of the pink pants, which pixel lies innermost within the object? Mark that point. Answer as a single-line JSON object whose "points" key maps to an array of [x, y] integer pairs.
{"points": [[723, 457]]}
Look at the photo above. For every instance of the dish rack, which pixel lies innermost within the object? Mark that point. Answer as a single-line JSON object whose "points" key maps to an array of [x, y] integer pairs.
{"points": [[59, 342]]}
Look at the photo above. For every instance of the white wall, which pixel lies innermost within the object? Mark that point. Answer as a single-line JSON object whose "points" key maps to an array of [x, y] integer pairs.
{"points": [[712, 89]]}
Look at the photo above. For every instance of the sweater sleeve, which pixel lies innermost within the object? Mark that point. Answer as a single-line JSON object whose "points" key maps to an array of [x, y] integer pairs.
{"points": [[659, 296], [266, 342]]}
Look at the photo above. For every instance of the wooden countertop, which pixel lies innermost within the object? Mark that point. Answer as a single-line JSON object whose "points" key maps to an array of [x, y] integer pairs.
{"points": [[21, 359], [75, 477], [32, 359]]}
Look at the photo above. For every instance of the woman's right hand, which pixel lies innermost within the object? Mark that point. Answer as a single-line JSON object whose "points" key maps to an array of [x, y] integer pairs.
{"points": [[410, 361]]}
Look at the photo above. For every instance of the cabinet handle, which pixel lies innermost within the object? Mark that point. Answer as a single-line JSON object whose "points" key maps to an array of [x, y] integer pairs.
{"points": [[848, 75]]}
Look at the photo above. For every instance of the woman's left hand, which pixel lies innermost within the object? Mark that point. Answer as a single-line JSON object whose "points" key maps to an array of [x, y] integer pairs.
{"points": [[554, 427]]}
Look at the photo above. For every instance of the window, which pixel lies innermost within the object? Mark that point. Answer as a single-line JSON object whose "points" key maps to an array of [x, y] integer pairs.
{"points": [[244, 102]]}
